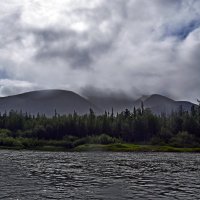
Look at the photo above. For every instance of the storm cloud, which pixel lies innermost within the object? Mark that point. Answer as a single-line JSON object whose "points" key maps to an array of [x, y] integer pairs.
{"points": [[99, 47]]}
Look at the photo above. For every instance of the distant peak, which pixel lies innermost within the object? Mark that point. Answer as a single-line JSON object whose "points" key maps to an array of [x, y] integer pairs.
{"points": [[51, 91], [157, 97], [44, 92]]}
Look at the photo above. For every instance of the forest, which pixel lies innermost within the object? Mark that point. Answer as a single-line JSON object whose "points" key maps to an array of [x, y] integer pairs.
{"points": [[139, 126]]}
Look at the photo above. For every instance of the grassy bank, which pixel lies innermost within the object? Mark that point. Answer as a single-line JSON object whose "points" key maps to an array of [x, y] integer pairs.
{"points": [[133, 148], [108, 148]]}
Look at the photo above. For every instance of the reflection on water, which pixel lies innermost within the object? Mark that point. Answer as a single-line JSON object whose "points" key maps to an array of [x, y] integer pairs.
{"points": [[46, 175]]}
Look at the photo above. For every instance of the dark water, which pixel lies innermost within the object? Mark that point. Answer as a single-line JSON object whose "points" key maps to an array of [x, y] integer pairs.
{"points": [[46, 175]]}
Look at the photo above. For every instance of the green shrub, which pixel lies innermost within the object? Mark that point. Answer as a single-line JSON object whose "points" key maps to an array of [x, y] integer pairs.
{"points": [[30, 143], [103, 139], [5, 133], [184, 139], [81, 141], [10, 142]]}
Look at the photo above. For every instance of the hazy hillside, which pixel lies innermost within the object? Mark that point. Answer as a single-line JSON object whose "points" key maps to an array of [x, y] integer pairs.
{"points": [[65, 102], [161, 104], [109, 103], [157, 103], [46, 101]]}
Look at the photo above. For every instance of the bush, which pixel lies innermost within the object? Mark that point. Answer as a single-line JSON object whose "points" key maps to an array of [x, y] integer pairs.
{"points": [[81, 141], [184, 139], [10, 142], [5, 133], [103, 139], [30, 143]]}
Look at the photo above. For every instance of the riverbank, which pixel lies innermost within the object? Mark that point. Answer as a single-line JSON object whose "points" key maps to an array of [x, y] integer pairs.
{"points": [[133, 148], [110, 148]]}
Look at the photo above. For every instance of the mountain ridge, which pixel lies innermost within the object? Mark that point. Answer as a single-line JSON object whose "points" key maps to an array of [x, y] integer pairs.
{"points": [[66, 102], [46, 102], [159, 104]]}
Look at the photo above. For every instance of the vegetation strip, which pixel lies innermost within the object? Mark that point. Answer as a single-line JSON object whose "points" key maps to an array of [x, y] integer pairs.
{"points": [[179, 132]]}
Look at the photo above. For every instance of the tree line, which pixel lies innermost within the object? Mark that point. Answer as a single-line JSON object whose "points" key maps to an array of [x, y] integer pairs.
{"points": [[139, 126]]}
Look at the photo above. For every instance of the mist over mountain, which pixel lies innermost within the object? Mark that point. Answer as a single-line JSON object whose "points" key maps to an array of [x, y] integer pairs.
{"points": [[46, 102], [66, 102], [160, 104]]}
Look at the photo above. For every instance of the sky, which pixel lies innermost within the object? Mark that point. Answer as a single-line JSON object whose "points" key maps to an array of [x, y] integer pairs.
{"points": [[100, 47]]}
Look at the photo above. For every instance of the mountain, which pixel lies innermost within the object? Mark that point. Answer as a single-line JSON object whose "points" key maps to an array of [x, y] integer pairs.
{"points": [[46, 102], [66, 102], [160, 104], [156, 103]]}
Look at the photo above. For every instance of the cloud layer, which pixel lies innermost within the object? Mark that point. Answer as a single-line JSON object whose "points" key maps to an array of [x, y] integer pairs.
{"points": [[134, 46]]}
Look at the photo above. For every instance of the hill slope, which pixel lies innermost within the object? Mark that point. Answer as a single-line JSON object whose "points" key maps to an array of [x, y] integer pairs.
{"points": [[46, 102], [66, 102], [161, 104]]}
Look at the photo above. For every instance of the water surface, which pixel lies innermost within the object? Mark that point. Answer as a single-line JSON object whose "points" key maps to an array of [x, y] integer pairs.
{"points": [[48, 175]]}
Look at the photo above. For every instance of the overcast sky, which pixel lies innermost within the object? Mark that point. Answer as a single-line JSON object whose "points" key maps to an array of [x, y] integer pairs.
{"points": [[131, 47]]}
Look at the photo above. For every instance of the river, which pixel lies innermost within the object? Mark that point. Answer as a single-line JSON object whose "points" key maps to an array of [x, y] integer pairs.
{"points": [[30, 175]]}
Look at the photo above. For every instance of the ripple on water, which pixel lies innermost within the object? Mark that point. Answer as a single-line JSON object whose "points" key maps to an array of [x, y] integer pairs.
{"points": [[48, 175]]}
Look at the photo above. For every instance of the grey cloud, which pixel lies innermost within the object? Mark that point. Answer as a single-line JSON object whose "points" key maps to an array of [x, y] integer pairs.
{"points": [[91, 91], [48, 36], [105, 98], [118, 48], [64, 46], [10, 32], [11, 87], [11, 90], [67, 45], [3, 74]]}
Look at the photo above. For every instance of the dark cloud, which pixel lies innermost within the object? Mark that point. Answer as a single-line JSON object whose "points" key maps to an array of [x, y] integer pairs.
{"points": [[64, 46]]}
